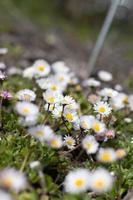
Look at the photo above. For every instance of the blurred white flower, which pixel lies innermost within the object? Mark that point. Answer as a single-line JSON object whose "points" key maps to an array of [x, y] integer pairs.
{"points": [[70, 115], [91, 82], [29, 73], [3, 51], [86, 121], [41, 132], [90, 144], [60, 67], [108, 92], [42, 68], [35, 164], [56, 142], [26, 108], [26, 95], [5, 196], [77, 181], [98, 127], [101, 181], [10, 178], [52, 97], [105, 76], [2, 66], [106, 155]]}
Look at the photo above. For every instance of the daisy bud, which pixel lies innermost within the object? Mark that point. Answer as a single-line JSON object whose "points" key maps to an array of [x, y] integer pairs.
{"points": [[120, 153], [6, 95], [110, 134], [35, 164]]}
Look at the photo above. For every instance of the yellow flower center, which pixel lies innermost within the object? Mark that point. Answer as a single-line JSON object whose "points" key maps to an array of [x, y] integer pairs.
{"points": [[54, 87], [7, 182], [125, 100], [102, 109], [51, 100], [99, 184], [61, 78], [41, 68], [69, 117], [79, 183], [40, 133], [26, 110], [105, 157], [85, 124], [88, 145], [54, 143], [69, 142], [96, 127]]}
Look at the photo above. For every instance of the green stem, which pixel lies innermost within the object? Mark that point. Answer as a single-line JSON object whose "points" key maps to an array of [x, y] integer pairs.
{"points": [[24, 162]]}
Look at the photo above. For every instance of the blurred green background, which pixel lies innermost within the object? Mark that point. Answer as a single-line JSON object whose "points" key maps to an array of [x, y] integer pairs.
{"points": [[77, 24]]}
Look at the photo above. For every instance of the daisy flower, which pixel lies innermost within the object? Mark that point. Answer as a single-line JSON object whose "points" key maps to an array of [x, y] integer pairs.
{"points": [[30, 120], [57, 112], [60, 67], [69, 142], [10, 178], [42, 68], [91, 82], [105, 76], [86, 121], [120, 101], [90, 144], [67, 100], [43, 83], [101, 181], [70, 115], [29, 73], [55, 86], [77, 181], [26, 109], [26, 95], [74, 106], [52, 97], [120, 153], [98, 127], [102, 108], [5, 196], [56, 142], [41, 132], [106, 155], [62, 79], [108, 92]]}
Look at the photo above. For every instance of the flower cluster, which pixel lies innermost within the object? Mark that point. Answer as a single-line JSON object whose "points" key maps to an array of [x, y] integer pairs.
{"points": [[54, 117]]}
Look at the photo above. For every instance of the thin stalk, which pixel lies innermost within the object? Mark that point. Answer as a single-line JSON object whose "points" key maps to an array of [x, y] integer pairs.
{"points": [[24, 162], [42, 180]]}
